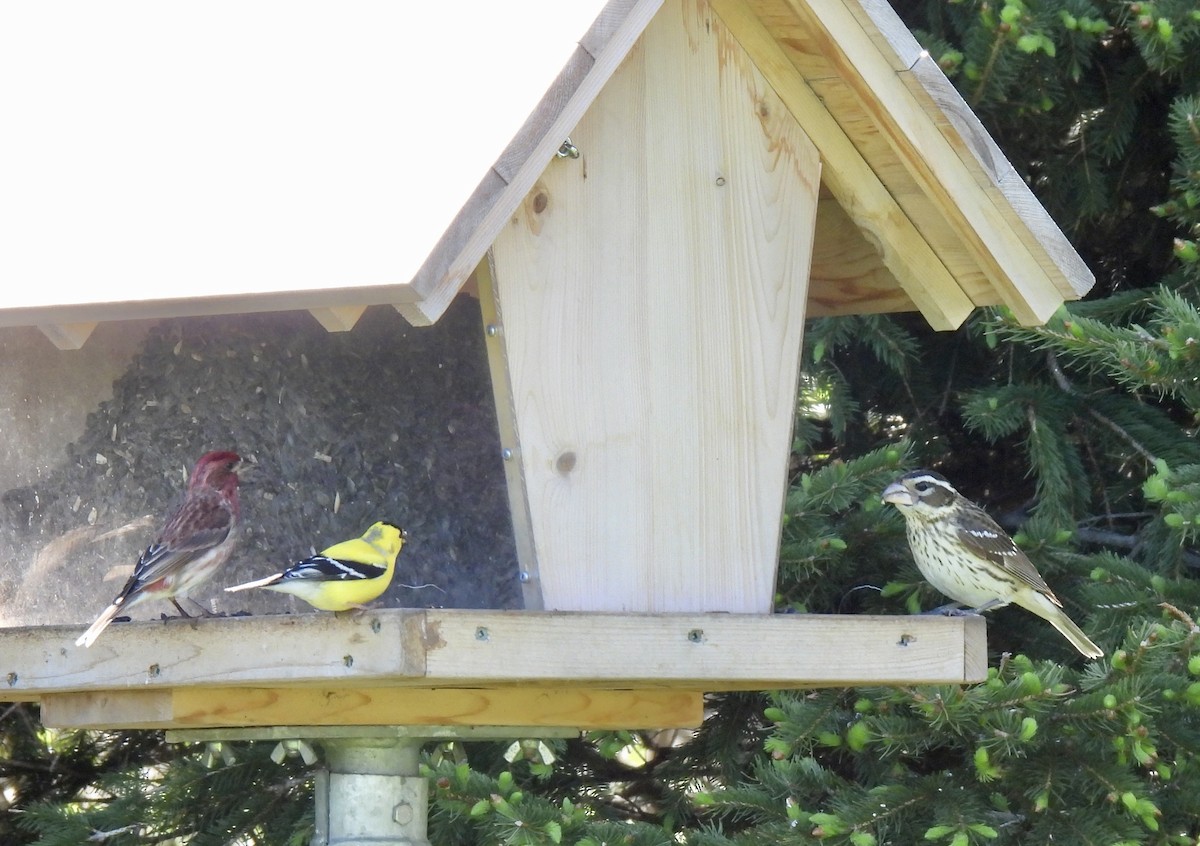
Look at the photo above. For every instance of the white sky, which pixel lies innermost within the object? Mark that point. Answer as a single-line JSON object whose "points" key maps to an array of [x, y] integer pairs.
{"points": [[153, 149]]}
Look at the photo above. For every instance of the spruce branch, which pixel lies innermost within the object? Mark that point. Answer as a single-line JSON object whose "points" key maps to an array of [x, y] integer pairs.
{"points": [[1065, 384], [1117, 540], [986, 74], [104, 836], [1180, 615]]}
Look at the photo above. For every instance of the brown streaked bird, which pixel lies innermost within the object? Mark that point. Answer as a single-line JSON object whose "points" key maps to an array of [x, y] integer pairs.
{"points": [[965, 554], [192, 545]]}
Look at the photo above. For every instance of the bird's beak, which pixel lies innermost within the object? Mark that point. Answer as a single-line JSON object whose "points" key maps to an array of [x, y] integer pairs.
{"points": [[245, 470], [897, 494]]}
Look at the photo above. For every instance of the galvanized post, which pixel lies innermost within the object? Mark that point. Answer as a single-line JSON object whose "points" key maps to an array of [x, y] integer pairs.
{"points": [[370, 793]]}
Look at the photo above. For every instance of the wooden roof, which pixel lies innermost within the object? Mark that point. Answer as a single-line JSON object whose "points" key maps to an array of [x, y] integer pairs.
{"points": [[258, 157]]}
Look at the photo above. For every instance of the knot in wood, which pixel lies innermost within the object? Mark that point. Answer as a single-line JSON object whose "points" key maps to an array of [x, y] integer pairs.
{"points": [[565, 462]]}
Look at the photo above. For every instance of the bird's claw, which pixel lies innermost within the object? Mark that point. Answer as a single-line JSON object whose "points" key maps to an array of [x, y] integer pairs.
{"points": [[953, 609]]}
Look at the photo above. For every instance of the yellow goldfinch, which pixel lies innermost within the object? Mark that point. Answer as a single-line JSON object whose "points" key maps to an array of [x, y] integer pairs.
{"points": [[346, 575]]}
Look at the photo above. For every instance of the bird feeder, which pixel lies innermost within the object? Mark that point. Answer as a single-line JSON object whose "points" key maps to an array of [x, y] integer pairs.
{"points": [[533, 287]]}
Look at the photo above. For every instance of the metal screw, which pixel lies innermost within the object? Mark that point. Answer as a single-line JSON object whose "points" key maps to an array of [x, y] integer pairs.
{"points": [[905, 640], [696, 635], [568, 150], [506, 454], [348, 660], [524, 577], [720, 181], [12, 679], [492, 330], [153, 670], [482, 633]]}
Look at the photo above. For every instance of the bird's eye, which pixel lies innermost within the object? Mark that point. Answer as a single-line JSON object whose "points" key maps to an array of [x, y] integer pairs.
{"points": [[923, 487]]}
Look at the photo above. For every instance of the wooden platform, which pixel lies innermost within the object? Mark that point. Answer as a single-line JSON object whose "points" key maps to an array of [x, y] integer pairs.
{"points": [[465, 667]]}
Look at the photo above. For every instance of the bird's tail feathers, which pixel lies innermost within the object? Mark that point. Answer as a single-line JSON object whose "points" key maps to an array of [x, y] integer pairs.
{"points": [[1073, 633], [1045, 608], [94, 630], [264, 582]]}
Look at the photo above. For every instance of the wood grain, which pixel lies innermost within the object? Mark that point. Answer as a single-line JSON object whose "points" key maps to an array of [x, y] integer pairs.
{"points": [[455, 648], [949, 111], [983, 218], [848, 274], [223, 651], [929, 222], [744, 651], [338, 318], [653, 294], [211, 707], [981, 154], [784, 60]]}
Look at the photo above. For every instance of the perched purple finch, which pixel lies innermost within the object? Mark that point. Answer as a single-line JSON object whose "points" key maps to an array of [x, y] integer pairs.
{"points": [[192, 545]]}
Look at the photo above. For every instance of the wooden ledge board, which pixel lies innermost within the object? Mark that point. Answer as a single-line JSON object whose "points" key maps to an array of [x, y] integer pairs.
{"points": [[246, 707], [465, 648]]}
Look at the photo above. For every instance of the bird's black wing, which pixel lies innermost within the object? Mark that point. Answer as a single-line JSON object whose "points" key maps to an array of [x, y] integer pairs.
{"points": [[322, 568]]}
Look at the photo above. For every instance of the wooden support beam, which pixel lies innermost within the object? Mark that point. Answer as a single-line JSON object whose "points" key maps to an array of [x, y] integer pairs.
{"points": [[68, 336], [323, 733], [338, 318], [466, 648], [848, 274], [73, 318], [217, 707]]}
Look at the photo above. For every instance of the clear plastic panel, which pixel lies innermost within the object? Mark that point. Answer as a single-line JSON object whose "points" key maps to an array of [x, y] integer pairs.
{"points": [[385, 422]]}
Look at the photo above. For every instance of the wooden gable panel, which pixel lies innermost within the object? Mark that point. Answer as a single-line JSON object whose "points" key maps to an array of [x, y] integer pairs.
{"points": [[651, 297]]}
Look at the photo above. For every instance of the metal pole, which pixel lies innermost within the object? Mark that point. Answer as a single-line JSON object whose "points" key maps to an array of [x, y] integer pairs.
{"points": [[371, 794]]}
